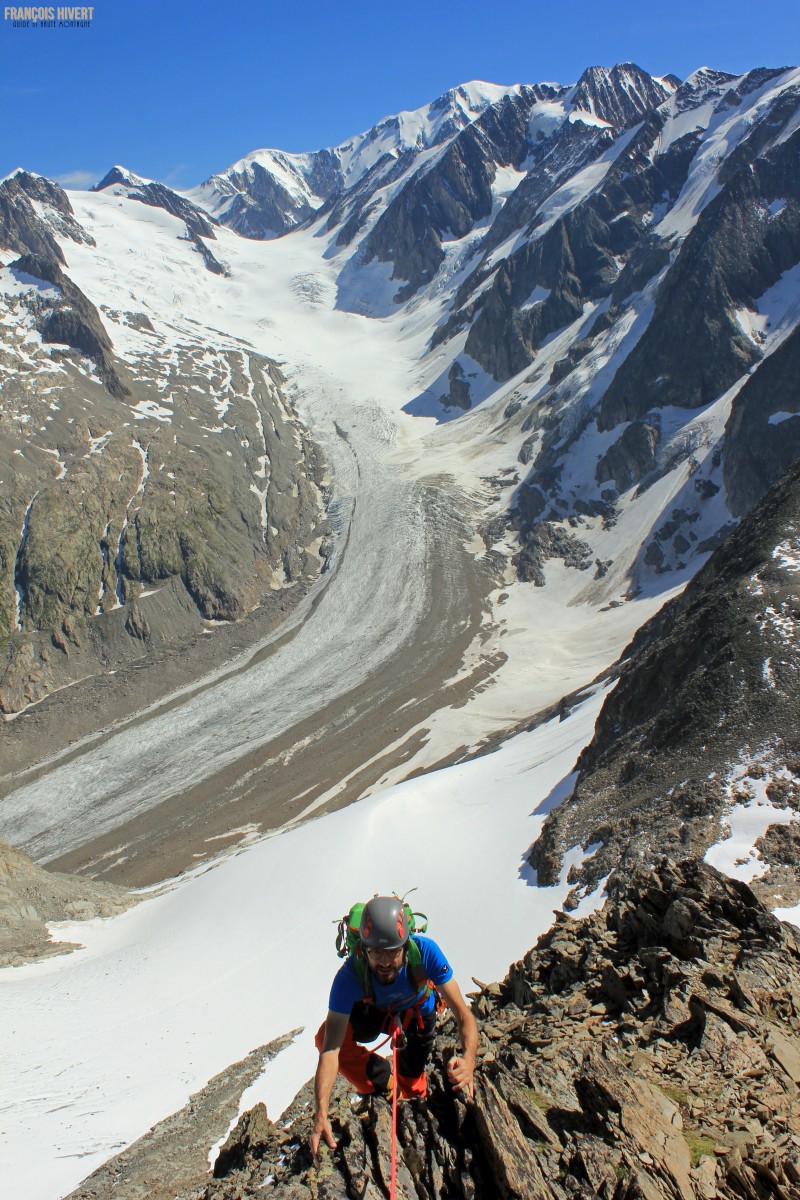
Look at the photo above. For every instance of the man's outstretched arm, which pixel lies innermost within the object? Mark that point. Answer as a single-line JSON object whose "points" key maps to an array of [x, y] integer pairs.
{"points": [[327, 1069], [461, 1070]]}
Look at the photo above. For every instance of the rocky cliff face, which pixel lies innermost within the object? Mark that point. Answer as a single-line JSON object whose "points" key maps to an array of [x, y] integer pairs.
{"points": [[704, 715], [69, 318], [652, 1049], [32, 210], [762, 436]]}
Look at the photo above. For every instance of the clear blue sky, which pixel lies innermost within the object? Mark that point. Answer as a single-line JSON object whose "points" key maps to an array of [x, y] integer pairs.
{"points": [[177, 90]]}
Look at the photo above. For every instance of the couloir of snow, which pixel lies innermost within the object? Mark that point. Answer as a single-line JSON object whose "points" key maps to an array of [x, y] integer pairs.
{"points": [[103, 1042]]}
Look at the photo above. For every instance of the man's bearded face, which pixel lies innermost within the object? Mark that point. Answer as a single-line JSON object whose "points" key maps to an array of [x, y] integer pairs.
{"points": [[385, 964]]}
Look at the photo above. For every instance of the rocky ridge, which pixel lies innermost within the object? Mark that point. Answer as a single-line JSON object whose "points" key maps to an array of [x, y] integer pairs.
{"points": [[649, 1050], [32, 211], [198, 224]]}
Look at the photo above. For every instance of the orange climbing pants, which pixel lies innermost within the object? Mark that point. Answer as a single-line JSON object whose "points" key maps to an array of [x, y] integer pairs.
{"points": [[369, 1072]]}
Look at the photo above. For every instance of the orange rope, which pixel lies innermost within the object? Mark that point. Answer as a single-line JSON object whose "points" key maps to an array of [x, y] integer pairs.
{"points": [[395, 1033]]}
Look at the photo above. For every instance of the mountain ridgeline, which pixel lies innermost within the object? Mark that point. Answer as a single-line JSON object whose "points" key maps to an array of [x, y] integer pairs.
{"points": [[648, 228]]}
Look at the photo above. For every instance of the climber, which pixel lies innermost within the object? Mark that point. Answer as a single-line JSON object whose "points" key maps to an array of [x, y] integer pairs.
{"points": [[392, 978]]}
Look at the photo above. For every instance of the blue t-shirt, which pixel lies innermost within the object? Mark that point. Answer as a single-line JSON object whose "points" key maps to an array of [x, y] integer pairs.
{"points": [[400, 995]]}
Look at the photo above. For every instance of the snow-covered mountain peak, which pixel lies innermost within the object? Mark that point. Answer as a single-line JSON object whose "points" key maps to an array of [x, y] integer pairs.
{"points": [[14, 173], [619, 95], [452, 110], [270, 191], [699, 87], [119, 175], [418, 128]]}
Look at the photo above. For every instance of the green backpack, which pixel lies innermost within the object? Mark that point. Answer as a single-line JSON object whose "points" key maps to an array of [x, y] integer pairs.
{"points": [[348, 945]]}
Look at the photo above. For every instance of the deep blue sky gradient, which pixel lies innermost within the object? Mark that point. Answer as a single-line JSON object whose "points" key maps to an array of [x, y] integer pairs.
{"points": [[177, 90]]}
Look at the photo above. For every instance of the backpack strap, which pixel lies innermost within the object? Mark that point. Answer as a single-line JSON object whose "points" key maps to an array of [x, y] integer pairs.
{"points": [[416, 969], [360, 965]]}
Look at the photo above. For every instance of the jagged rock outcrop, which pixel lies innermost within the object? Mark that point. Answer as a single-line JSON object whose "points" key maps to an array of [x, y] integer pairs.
{"points": [[650, 1050], [631, 457], [623, 95], [266, 199], [545, 541], [23, 229], [711, 681]]}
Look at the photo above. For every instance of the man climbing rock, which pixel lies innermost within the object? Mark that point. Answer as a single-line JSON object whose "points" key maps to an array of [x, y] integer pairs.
{"points": [[392, 978]]}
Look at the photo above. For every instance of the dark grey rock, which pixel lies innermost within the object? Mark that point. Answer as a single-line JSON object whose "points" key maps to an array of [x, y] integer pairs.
{"points": [[694, 348], [625, 1056], [631, 457], [21, 230], [756, 453]]}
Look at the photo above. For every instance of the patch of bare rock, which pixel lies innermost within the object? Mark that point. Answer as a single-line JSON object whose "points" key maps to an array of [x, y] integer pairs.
{"points": [[30, 897], [649, 1051]]}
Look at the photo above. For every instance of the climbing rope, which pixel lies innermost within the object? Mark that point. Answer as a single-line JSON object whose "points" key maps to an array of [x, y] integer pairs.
{"points": [[396, 1032]]}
